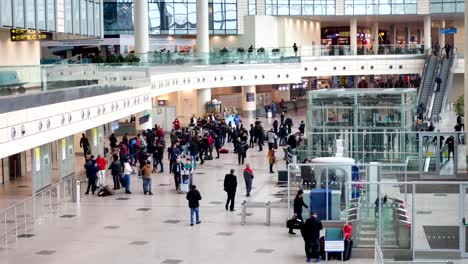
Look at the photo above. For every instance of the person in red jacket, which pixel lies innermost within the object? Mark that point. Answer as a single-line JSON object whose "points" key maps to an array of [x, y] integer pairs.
{"points": [[176, 124], [101, 164]]}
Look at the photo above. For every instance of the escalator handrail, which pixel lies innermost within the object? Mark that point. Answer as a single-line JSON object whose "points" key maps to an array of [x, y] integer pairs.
{"points": [[436, 73], [450, 76], [424, 74]]}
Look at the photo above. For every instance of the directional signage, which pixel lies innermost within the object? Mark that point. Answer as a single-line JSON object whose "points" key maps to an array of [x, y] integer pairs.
{"points": [[29, 35], [448, 30]]}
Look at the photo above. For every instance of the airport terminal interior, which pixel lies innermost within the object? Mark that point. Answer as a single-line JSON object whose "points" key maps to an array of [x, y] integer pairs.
{"points": [[233, 131]]}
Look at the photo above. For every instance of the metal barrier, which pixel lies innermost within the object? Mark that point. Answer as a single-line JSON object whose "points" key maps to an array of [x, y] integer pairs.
{"points": [[268, 205], [17, 218], [378, 255]]}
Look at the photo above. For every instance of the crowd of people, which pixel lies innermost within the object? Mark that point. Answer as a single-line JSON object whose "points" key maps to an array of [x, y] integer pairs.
{"points": [[190, 147]]}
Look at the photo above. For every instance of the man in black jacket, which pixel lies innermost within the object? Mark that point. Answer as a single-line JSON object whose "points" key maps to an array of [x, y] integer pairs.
{"points": [[230, 186], [311, 233], [194, 197]]}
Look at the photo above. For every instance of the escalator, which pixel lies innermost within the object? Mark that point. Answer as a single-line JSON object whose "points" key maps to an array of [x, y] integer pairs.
{"points": [[428, 78], [446, 75]]}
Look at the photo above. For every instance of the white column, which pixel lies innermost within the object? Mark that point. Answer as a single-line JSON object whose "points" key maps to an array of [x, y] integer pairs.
{"points": [[203, 97], [141, 38], [427, 32], [465, 50], [394, 35], [249, 104], [353, 35], [408, 35], [148, 124], [375, 33], [442, 36], [203, 38]]}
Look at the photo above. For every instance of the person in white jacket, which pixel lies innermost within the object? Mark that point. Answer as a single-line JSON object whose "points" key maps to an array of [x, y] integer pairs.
{"points": [[127, 171]]}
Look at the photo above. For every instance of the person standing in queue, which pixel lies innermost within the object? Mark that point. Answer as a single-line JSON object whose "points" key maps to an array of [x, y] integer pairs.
{"points": [[271, 159], [311, 233], [248, 178], [91, 174], [230, 186], [298, 204]]}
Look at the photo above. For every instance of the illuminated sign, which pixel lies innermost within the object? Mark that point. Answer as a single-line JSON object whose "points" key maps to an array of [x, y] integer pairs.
{"points": [[29, 35]]}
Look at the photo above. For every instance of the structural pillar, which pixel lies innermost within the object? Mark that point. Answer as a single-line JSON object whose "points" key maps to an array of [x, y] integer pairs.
{"points": [[394, 35], [141, 38], [204, 96], [203, 39], [375, 33], [353, 35], [427, 33], [249, 105], [442, 36], [465, 49], [408, 35], [143, 120]]}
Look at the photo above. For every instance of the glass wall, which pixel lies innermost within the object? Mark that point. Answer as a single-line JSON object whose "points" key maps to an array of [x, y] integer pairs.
{"points": [[298, 7], [174, 17], [6, 13], [252, 7], [30, 16], [41, 14], [447, 6], [83, 17], [18, 12], [80, 15], [381, 7], [51, 15]]}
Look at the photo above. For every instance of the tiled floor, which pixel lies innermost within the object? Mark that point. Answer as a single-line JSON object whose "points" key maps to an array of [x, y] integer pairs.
{"points": [[155, 229]]}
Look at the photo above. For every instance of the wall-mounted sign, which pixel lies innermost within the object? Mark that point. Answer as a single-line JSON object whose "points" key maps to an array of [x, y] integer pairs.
{"points": [[448, 30], [143, 119], [250, 97], [29, 35]]}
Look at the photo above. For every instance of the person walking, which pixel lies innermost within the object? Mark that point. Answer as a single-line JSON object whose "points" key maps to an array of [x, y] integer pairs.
{"points": [[116, 170], [127, 172], [289, 123], [84, 144], [275, 126], [101, 164], [311, 233], [271, 138], [230, 186], [177, 170], [282, 135], [295, 49], [113, 141], [438, 81], [194, 197], [146, 174], [302, 127], [298, 204], [241, 150], [248, 178], [217, 144], [252, 136], [91, 174], [271, 159]]}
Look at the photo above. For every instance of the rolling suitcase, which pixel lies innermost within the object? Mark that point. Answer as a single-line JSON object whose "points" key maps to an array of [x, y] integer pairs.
{"points": [[208, 157], [348, 249], [322, 247], [122, 181]]}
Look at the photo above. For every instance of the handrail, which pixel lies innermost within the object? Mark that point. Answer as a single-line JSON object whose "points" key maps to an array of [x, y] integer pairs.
{"points": [[449, 82], [421, 85], [62, 195], [434, 76]]}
